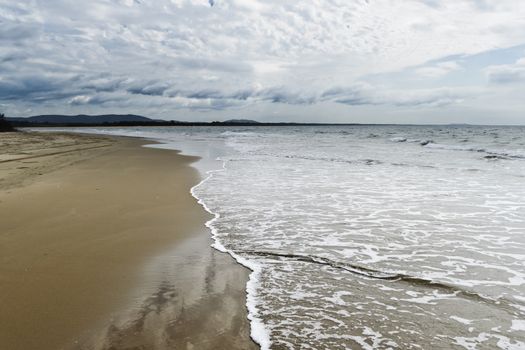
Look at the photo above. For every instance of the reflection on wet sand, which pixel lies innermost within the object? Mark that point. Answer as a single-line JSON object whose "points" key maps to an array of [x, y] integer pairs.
{"points": [[198, 302]]}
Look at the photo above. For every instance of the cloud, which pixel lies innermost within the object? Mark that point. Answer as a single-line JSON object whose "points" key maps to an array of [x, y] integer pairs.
{"points": [[16, 32], [364, 94], [150, 88], [507, 74], [36, 88], [438, 70], [359, 94], [156, 55]]}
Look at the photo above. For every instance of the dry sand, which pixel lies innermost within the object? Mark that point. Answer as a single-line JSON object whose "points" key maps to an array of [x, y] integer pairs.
{"points": [[103, 247]]}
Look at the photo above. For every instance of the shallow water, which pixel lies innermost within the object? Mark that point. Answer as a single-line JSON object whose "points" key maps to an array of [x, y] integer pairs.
{"points": [[373, 237]]}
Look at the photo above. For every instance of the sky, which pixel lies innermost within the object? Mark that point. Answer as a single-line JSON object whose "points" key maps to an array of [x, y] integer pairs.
{"points": [[340, 61]]}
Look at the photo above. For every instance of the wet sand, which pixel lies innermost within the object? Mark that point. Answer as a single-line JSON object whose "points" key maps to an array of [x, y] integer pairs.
{"points": [[103, 247]]}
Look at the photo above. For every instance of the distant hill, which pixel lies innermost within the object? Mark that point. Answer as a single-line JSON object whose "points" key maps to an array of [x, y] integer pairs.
{"points": [[115, 120], [83, 119], [241, 121], [122, 120]]}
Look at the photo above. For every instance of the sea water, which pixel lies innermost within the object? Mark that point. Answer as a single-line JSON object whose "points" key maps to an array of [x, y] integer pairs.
{"points": [[369, 237]]}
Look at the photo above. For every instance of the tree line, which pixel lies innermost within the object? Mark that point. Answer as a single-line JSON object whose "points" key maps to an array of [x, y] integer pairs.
{"points": [[5, 125]]}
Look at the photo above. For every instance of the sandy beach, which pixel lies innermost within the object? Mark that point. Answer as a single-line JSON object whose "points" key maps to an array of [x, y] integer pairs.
{"points": [[103, 247]]}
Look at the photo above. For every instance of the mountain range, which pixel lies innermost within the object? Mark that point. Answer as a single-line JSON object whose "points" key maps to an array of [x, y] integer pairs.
{"points": [[110, 119]]}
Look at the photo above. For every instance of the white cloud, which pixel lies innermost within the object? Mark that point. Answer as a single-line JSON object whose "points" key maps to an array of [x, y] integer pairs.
{"points": [[508, 73], [144, 50], [438, 70]]}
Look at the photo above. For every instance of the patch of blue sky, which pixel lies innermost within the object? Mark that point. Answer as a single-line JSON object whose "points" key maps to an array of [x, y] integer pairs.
{"points": [[469, 70]]}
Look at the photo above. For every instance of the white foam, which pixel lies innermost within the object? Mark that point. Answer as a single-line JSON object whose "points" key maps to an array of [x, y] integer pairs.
{"points": [[258, 332], [461, 320], [518, 325]]}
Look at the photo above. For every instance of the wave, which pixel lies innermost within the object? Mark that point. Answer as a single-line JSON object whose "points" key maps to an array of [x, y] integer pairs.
{"points": [[367, 272], [333, 132], [490, 154], [238, 133], [337, 160], [258, 331], [422, 142]]}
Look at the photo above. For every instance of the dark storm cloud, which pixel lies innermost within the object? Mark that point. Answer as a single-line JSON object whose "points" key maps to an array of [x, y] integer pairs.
{"points": [[149, 88], [36, 88], [13, 57], [357, 95]]}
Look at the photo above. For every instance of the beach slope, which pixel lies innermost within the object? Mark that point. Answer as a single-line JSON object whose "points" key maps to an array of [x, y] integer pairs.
{"points": [[102, 246]]}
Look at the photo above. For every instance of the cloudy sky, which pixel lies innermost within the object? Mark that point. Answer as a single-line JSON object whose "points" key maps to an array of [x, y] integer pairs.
{"points": [[375, 61]]}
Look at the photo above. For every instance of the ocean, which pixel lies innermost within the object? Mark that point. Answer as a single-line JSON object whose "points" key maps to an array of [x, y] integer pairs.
{"points": [[368, 237]]}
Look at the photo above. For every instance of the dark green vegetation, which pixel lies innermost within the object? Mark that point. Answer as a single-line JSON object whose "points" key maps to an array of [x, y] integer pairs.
{"points": [[5, 125], [65, 120], [113, 120], [124, 120]]}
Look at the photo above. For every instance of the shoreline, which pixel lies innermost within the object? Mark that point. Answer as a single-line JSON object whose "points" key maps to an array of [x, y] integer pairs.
{"points": [[114, 285]]}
